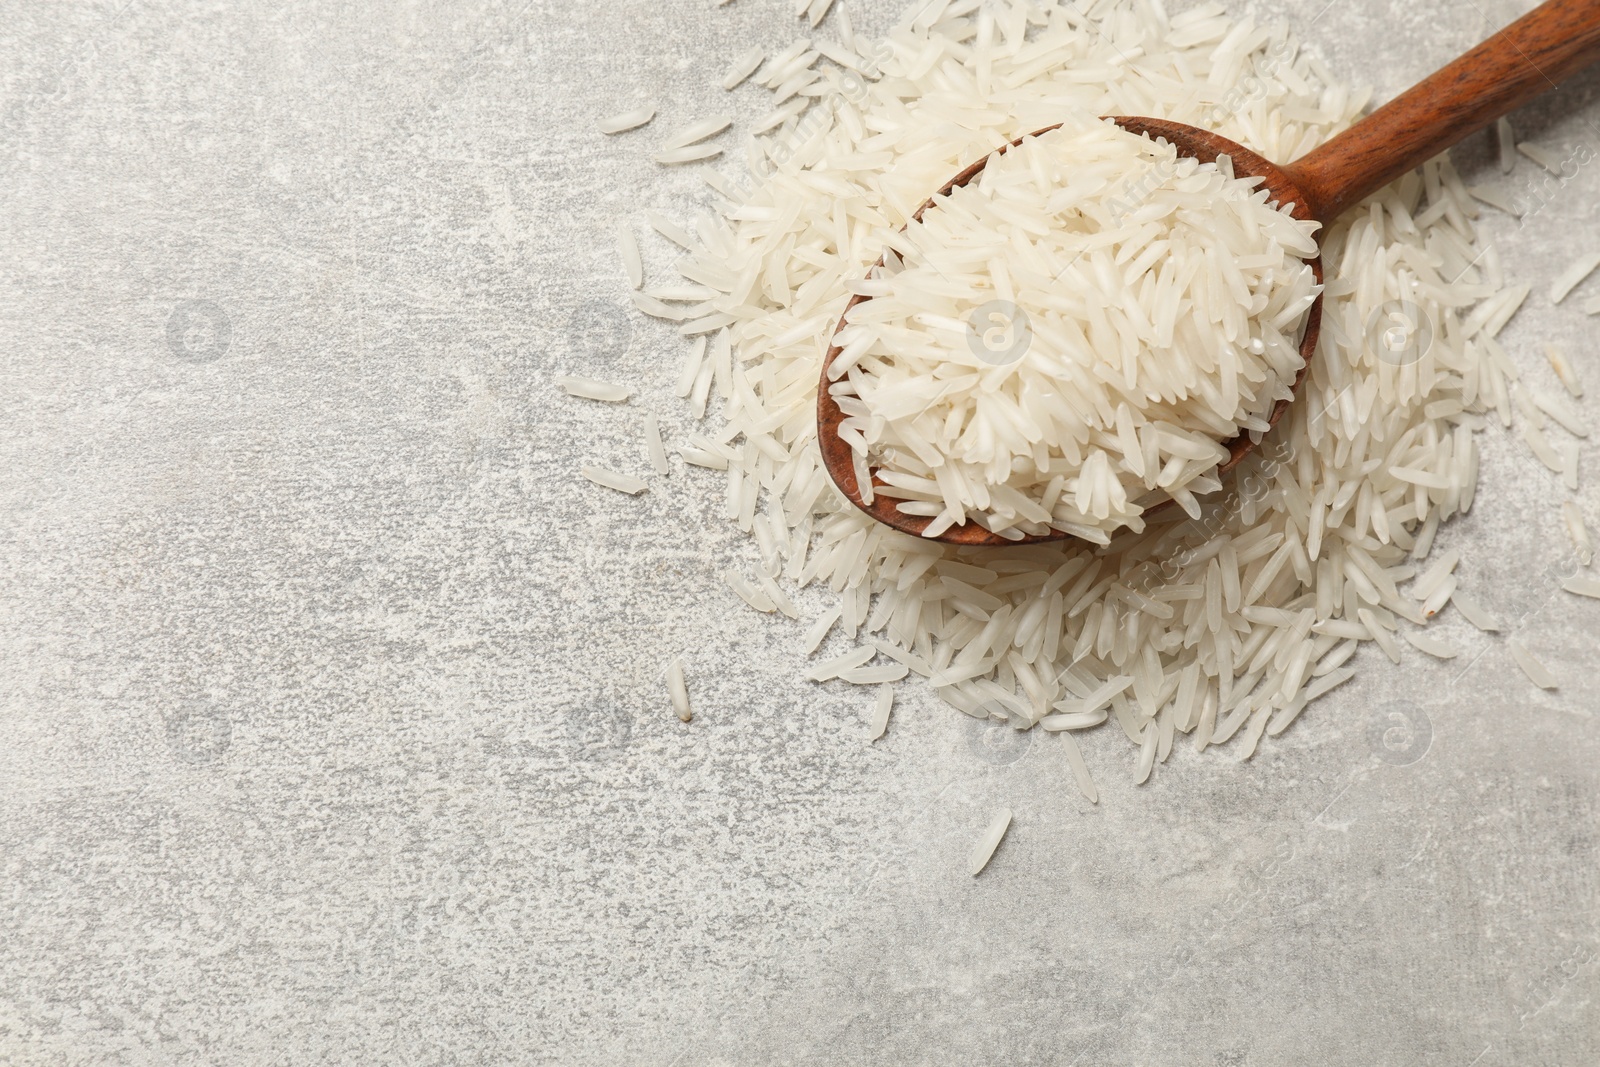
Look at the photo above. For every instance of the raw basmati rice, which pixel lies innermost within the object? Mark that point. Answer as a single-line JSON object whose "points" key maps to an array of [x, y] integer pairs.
{"points": [[819, 629], [695, 132], [881, 706], [679, 691], [1589, 587], [622, 483], [942, 372], [671, 230], [711, 461], [629, 247], [1434, 577], [1537, 672], [655, 307], [1147, 752], [1235, 619], [983, 851], [1573, 276], [1572, 519], [1542, 156], [1494, 198], [628, 120], [1561, 415], [1473, 612], [1505, 144], [654, 450], [830, 668], [593, 389], [1080, 770], [875, 675], [750, 594], [743, 67], [690, 154], [1077, 720], [1563, 369], [819, 11], [1432, 646]]}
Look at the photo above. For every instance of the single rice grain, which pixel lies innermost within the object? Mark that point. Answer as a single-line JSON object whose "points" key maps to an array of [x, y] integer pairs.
{"points": [[1573, 276], [881, 706], [628, 120], [1537, 672], [983, 851], [593, 389], [1080, 770], [622, 483], [679, 691]]}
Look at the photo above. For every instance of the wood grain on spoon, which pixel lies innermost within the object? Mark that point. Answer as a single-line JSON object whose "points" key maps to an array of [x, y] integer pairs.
{"points": [[1527, 58]]}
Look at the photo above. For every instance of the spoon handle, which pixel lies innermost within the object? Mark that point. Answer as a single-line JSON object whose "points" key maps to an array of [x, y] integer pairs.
{"points": [[1527, 58]]}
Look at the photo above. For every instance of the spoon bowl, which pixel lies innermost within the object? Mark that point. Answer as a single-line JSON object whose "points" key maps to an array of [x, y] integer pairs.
{"points": [[1203, 145]]}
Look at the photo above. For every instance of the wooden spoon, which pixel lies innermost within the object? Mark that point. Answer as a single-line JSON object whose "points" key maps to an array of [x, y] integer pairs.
{"points": [[1522, 61]]}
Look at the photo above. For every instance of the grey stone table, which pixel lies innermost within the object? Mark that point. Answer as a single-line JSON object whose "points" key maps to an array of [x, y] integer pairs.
{"points": [[334, 728]]}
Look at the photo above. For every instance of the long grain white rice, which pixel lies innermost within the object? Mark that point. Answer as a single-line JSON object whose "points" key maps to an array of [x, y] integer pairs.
{"points": [[1305, 546], [1431, 645], [1431, 579], [696, 132], [628, 120], [622, 483], [1537, 672], [1436, 600], [983, 851], [1561, 414], [1542, 156], [671, 230], [1494, 198], [701, 458], [1563, 369], [1573, 276], [944, 405], [1080, 770], [819, 629], [1329, 682], [875, 675], [1589, 587], [593, 389], [881, 706], [830, 668], [1256, 727], [1147, 752], [1572, 519], [655, 307], [654, 450], [1473, 612], [690, 154], [1506, 145], [749, 593], [818, 11], [1379, 634], [1335, 658], [743, 67], [679, 690], [628, 246], [1078, 720]]}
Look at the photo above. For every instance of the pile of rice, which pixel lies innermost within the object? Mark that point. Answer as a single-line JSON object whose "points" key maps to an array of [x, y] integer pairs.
{"points": [[1073, 335], [1221, 625]]}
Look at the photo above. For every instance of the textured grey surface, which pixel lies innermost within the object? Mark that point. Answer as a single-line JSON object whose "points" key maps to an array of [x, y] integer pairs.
{"points": [[332, 701]]}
